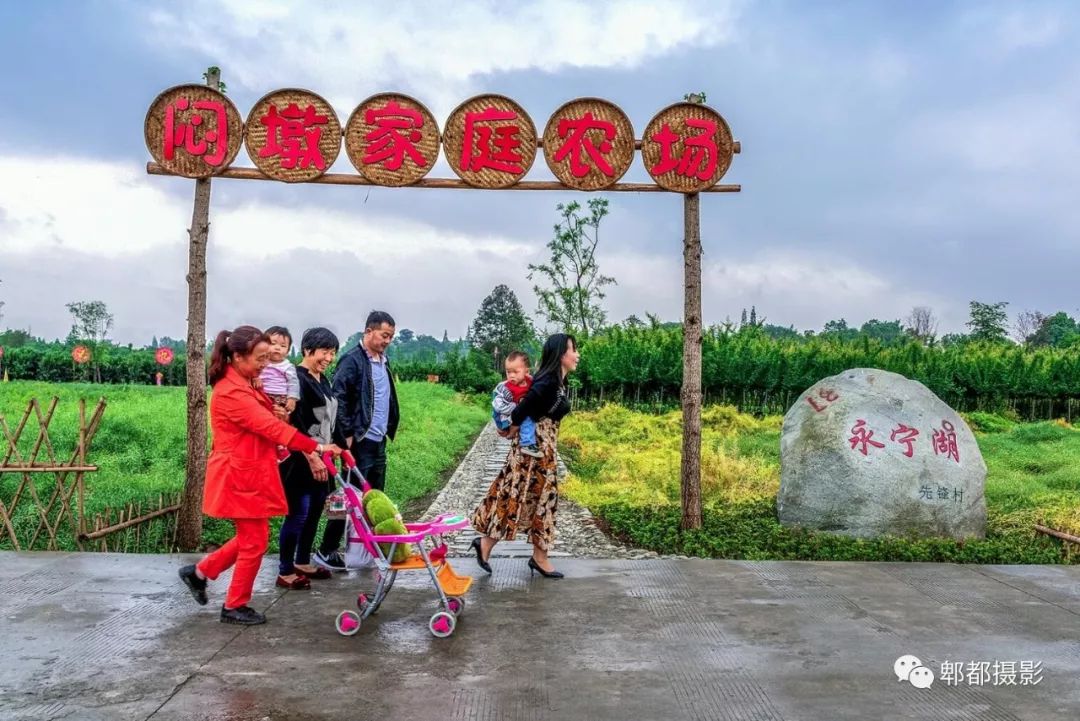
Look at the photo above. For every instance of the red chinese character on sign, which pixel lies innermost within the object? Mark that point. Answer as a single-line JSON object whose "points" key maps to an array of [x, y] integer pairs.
{"points": [[214, 129], [826, 394], [944, 442], [578, 141], [700, 155], [863, 437], [294, 135], [906, 435], [394, 136], [481, 150]]}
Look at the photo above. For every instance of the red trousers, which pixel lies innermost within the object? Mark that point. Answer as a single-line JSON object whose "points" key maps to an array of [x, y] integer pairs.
{"points": [[245, 550]]}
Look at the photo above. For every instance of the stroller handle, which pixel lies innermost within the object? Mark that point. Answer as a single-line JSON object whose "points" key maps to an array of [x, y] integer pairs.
{"points": [[347, 457], [328, 461], [364, 485]]}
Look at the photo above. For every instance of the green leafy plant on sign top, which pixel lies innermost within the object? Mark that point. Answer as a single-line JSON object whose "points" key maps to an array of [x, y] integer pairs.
{"points": [[215, 70]]}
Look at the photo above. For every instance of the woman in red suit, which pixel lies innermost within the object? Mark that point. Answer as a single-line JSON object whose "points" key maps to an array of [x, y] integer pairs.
{"points": [[242, 481]]}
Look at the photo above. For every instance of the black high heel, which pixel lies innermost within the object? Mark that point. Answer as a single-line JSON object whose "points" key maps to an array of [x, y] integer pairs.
{"points": [[534, 567], [479, 555]]}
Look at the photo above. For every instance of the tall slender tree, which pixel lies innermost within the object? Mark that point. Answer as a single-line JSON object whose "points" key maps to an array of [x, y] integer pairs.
{"points": [[574, 286]]}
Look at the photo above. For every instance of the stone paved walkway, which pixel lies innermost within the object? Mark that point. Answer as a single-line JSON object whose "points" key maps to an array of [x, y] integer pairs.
{"points": [[578, 535]]}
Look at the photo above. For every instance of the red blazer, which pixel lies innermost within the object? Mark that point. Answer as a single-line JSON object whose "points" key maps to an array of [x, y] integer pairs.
{"points": [[242, 478]]}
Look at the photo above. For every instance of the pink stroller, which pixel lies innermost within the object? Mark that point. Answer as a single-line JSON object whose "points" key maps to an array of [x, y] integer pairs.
{"points": [[429, 554]]}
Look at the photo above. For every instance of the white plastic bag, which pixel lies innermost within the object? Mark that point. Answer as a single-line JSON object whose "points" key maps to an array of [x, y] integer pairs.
{"points": [[356, 554]]}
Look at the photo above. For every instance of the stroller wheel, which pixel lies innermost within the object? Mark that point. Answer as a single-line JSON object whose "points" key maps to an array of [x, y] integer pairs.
{"points": [[362, 602], [442, 624], [455, 605], [348, 623]]}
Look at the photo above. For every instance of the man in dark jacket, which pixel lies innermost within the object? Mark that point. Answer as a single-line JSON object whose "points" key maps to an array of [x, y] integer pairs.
{"points": [[367, 415]]}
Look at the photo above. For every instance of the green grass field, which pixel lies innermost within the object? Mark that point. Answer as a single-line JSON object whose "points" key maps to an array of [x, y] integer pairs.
{"points": [[625, 468], [140, 446]]}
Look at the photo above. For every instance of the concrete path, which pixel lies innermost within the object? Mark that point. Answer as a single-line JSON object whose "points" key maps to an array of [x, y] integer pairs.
{"points": [[96, 636]]}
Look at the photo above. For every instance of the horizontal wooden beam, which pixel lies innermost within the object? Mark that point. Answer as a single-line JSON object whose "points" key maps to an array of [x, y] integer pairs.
{"points": [[443, 183], [736, 146], [94, 535], [1057, 534]]}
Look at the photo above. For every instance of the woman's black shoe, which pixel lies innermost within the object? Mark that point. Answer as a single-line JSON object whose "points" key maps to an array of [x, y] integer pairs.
{"points": [[478, 547], [245, 616], [534, 567], [196, 585]]}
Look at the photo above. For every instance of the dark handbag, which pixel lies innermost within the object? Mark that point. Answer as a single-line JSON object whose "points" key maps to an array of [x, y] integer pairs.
{"points": [[561, 406]]}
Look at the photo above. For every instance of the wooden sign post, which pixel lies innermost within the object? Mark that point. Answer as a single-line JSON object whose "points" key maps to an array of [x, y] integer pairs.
{"points": [[391, 139], [195, 131], [687, 148]]}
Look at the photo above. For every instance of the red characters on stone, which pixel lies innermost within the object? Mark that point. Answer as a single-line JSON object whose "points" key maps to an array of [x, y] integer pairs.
{"points": [[905, 435], [205, 134], [861, 437], [944, 441], [826, 394]]}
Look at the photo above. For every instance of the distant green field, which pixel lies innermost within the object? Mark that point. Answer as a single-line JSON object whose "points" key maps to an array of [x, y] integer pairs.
{"points": [[140, 446]]}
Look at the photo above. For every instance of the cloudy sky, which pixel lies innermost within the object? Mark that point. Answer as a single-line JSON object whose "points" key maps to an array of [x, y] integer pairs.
{"points": [[894, 154]]}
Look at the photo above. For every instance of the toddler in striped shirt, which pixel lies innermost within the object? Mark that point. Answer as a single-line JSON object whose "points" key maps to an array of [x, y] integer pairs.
{"points": [[278, 380]]}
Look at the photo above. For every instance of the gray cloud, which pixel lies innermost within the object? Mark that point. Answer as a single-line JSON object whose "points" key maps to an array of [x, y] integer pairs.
{"points": [[892, 156]]}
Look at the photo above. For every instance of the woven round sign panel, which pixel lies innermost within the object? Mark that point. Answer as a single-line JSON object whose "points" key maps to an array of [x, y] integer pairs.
{"points": [[392, 139], [687, 147], [490, 141], [589, 144], [193, 131], [292, 135]]}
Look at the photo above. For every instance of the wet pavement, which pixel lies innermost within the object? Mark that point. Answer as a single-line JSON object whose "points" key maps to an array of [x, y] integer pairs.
{"points": [[98, 636]]}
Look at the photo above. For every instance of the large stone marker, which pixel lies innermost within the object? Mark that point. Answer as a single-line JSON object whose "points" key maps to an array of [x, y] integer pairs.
{"points": [[868, 453]]}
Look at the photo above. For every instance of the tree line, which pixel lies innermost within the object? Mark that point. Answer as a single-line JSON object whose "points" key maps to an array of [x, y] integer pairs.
{"points": [[750, 362]]}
